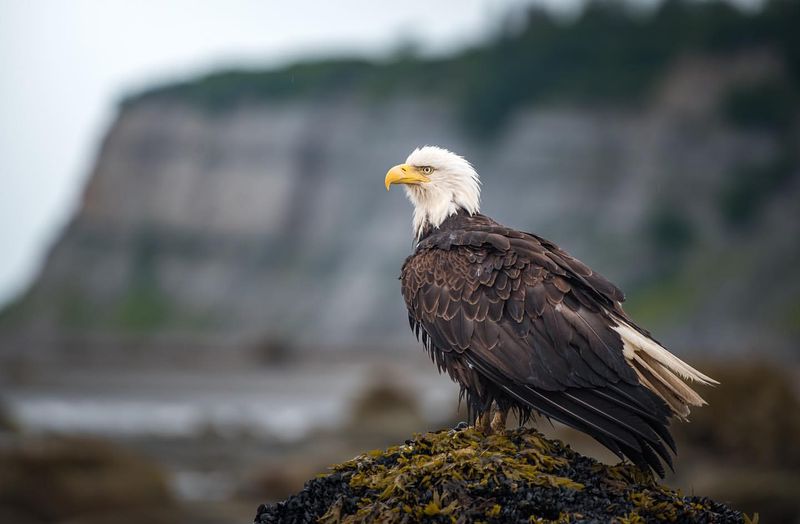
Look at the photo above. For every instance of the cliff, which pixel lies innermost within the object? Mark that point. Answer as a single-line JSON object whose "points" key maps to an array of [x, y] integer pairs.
{"points": [[249, 206], [461, 476]]}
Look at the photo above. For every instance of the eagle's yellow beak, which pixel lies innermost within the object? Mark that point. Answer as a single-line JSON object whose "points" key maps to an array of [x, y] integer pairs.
{"points": [[404, 174]]}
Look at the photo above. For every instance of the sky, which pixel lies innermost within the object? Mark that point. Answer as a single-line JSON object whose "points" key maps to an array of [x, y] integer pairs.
{"points": [[66, 64]]}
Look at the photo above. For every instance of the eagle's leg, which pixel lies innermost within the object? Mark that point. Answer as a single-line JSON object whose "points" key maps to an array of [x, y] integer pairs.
{"points": [[498, 423], [482, 423]]}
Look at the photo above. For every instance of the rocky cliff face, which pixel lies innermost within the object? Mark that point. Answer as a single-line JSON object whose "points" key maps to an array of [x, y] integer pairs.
{"points": [[270, 220]]}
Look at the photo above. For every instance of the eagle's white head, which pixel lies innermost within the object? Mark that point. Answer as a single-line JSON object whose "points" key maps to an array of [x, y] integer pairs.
{"points": [[439, 183]]}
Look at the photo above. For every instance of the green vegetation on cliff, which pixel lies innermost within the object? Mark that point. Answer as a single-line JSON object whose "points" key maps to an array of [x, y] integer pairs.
{"points": [[610, 53]]}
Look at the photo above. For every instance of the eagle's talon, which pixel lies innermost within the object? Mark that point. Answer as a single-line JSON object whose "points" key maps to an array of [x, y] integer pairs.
{"points": [[498, 424], [483, 423]]}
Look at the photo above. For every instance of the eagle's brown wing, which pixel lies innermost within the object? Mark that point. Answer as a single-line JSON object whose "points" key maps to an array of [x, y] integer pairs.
{"points": [[518, 321]]}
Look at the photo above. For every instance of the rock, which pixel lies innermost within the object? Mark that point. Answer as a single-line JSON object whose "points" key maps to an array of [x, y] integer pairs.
{"points": [[77, 479], [462, 476], [7, 422]]}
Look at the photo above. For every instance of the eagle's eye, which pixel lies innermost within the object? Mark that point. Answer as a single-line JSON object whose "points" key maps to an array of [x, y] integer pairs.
{"points": [[426, 170]]}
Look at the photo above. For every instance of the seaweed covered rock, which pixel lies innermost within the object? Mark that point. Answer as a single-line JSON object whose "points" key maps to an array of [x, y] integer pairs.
{"points": [[80, 479], [462, 476]]}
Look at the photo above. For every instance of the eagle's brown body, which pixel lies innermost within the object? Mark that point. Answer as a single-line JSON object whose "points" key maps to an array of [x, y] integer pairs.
{"points": [[523, 326], [519, 323]]}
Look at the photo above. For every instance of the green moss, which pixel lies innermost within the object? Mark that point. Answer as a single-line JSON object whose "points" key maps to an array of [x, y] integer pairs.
{"points": [[467, 457], [463, 476], [434, 461]]}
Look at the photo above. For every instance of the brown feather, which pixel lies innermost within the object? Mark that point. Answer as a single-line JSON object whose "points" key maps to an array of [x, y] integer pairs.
{"points": [[518, 322]]}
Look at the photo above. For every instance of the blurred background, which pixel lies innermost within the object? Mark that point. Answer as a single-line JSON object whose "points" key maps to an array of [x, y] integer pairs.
{"points": [[200, 304]]}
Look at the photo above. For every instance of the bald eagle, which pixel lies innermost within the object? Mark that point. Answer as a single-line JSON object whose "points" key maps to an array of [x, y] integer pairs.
{"points": [[521, 325]]}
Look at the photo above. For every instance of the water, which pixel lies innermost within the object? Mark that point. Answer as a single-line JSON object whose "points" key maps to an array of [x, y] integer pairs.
{"points": [[285, 404], [177, 417]]}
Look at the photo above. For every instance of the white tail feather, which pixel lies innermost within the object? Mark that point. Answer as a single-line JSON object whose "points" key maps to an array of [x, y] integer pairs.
{"points": [[635, 341], [660, 371]]}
